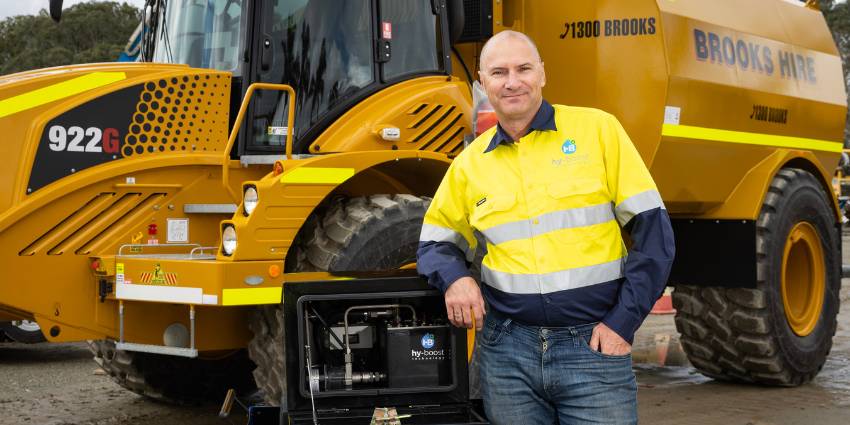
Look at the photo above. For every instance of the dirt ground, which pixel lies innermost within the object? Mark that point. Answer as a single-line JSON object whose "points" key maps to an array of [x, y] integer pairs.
{"points": [[58, 384]]}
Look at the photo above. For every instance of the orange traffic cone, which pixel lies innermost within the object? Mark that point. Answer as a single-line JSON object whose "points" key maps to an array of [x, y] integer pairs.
{"points": [[664, 305]]}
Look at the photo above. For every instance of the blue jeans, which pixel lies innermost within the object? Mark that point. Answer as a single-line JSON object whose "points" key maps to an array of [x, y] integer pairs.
{"points": [[534, 375]]}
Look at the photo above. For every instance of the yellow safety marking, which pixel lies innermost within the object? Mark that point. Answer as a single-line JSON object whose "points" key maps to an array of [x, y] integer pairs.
{"points": [[318, 175], [119, 268], [251, 296], [730, 136], [58, 91]]}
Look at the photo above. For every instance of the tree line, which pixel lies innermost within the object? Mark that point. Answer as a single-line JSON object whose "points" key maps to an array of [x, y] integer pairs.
{"points": [[89, 32]]}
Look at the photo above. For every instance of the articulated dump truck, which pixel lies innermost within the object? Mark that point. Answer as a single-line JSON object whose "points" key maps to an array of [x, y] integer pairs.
{"points": [[239, 210]]}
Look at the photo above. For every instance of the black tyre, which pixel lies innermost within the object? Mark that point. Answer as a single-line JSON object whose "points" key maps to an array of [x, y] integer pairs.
{"points": [[377, 233], [176, 380], [781, 332], [23, 331]]}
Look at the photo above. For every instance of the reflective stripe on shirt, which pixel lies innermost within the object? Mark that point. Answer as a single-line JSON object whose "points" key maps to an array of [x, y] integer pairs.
{"points": [[434, 233], [549, 222], [637, 204]]}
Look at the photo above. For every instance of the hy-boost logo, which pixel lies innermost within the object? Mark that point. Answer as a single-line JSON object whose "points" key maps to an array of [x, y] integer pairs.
{"points": [[430, 353], [569, 147], [158, 277], [428, 341]]}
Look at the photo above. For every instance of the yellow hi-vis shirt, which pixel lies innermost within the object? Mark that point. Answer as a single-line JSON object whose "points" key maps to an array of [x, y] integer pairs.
{"points": [[550, 209]]}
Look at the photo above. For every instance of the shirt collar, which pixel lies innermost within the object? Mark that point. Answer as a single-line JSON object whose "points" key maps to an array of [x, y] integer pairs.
{"points": [[544, 120]]}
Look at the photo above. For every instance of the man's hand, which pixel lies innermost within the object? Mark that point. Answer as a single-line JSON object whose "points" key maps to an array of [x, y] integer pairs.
{"points": [[462, 296], [606, 341]]}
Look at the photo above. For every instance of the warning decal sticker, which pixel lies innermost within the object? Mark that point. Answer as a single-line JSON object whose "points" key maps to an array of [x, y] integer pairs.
{"points": [[158, 277]]}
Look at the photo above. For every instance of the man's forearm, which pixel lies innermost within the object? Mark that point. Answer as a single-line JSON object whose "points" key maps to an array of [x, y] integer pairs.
{"points": [[442, 263], [647, 268]]}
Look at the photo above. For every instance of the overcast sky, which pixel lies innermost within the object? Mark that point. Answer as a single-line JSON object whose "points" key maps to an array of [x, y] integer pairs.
{"points": [[31, 7]]}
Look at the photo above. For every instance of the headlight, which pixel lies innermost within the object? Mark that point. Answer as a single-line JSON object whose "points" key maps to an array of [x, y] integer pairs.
{"points": [[228, 239], [250, 199]]}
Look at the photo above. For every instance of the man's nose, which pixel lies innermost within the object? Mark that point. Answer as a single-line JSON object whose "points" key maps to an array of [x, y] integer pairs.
{"points": [[513, 82]]}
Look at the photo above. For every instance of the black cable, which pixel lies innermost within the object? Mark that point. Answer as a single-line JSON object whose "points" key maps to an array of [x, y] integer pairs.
{"points": [[462, 63], [341, 344]]}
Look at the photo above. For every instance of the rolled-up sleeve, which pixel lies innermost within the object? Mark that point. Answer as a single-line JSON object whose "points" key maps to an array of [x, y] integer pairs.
{"points": [[447, 243], [640, 211]]}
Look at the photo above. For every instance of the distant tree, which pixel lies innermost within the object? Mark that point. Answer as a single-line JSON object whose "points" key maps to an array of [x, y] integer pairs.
{"points": [[89, 32], [837, 16]]}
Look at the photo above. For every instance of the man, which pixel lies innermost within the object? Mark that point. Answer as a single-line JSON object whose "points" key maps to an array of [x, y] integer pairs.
{"points": [[548, 188]]}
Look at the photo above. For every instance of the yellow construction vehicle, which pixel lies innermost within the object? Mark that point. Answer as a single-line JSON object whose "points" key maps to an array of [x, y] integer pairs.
{"points": [[184, 211]]}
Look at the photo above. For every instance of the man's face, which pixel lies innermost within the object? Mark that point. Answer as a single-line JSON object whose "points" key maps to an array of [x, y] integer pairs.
{"points": [[513, 79]]}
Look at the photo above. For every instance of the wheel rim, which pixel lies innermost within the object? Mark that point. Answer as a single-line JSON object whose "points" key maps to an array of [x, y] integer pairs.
{"points": [[802, 278], [27, 326]]}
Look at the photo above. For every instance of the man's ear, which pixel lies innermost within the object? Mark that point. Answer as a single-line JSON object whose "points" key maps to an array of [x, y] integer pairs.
{"points": [[542, 75], [483, 81]]}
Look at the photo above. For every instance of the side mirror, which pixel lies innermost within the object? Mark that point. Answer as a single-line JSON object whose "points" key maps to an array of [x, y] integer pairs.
{"points": [[56, 10], [456, 20]]}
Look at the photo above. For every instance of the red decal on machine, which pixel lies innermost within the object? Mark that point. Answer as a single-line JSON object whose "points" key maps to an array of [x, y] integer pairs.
{"points": [[388, 30], [111, 140]]}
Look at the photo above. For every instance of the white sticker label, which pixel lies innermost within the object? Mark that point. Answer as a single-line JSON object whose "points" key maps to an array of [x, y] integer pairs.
{"points": [[671, 115], [119, 278], [178, 230], [277, 131], [153, 241], [131, 180], [210, 299]]}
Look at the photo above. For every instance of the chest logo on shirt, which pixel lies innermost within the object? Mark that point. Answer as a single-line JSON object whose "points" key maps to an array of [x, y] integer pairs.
{"points": [[483, 200], [569, 147]]}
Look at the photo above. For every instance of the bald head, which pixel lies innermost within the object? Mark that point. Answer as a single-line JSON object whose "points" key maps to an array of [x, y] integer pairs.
{"points": [[512, 77], [494, 42]]}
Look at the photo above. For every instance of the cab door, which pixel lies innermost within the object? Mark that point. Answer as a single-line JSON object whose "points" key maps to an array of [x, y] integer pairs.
{"points": [[326, 51], [323, 49]]}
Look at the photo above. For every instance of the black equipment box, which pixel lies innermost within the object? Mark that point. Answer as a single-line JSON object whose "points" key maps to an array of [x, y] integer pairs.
{"points": [[424, 362]]}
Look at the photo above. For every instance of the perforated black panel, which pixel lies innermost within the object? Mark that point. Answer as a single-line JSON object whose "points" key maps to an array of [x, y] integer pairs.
{"points": [[478, 20]]}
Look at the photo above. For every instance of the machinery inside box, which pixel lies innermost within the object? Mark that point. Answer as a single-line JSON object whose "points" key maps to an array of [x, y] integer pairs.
{"points": [[389, 344]]}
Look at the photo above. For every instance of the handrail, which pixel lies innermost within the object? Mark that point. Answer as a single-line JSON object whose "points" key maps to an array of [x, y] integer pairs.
{"points": [[201, 248], [158, 246], [225, 173]]}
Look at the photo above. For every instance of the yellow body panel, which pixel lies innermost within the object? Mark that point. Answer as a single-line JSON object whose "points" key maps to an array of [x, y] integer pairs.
{"points": [[285, 201]]}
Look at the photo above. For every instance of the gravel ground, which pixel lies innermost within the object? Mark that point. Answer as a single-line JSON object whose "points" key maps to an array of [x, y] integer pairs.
{"points": [[59, 384]]}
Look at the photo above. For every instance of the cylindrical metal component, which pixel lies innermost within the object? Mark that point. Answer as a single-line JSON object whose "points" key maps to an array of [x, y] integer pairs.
{"points": [[326, 378], [192, 320], [121, 323], [366, 377]]}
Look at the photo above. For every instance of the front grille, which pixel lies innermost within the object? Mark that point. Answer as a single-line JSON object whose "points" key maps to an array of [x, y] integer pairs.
{"points": [[97, 222], [436, 128]]}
